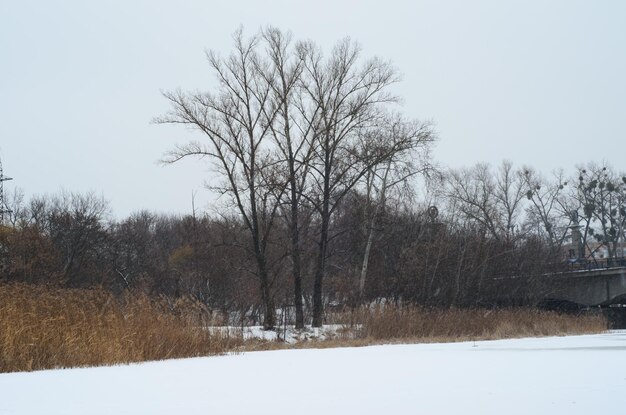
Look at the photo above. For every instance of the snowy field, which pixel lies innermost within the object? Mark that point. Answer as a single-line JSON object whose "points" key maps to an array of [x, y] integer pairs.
{"points": [[564, 375]]}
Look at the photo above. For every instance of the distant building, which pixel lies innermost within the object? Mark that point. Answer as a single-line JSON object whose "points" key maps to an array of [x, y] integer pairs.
{"points": [[573, 248]]}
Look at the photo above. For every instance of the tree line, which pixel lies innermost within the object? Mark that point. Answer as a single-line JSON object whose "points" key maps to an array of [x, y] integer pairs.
{"points": [[318, 173], [491, 222]]}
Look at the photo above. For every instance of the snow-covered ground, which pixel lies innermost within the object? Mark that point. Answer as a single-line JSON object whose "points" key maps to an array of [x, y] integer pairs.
{"points": [[289, 334], [557, 375]]}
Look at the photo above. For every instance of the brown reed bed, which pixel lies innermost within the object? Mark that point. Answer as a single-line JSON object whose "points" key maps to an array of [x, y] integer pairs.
{"points": [[423, 324], [375, 325], [44, 327]]}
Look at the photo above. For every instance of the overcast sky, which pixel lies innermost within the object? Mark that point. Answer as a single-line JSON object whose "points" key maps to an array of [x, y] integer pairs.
{"points": [[536, 82]]}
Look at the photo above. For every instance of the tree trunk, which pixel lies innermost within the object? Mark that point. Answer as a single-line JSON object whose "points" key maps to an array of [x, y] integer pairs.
{"points": [[457, 290], [295, 241], [318, 306], [269, 312], [366, 258], [370, 237], [296, 264]]}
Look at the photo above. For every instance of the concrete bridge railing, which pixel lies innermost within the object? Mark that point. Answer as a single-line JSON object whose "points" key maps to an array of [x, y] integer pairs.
{"points": [[589, 288], [597, 287]]}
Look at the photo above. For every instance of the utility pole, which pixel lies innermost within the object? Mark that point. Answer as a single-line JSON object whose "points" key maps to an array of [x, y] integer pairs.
{"points": [[3, 206]]}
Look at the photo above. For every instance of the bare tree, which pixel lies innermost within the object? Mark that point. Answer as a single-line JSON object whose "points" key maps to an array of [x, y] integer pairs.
{"points": [[601, 197], [292, 130], [492, 200], [392, 173], [509, 197], [549, 209], [236, 122], [348, 99], [471, 190], [75, 224]]}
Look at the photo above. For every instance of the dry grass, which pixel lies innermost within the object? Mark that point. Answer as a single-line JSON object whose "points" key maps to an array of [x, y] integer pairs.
{"points": [[385, 323], [43, 327], [395, 325]]}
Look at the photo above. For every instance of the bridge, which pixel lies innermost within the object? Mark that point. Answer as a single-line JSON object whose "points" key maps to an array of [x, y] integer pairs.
{"points": [[574, 286], [597, 287], [584, 283]]}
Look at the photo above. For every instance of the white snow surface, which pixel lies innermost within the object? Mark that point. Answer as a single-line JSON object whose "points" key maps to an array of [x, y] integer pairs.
{"points": [[289, 334], [554, 375]]}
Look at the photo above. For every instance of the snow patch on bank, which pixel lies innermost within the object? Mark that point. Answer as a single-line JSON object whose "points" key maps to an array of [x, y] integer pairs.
{"points": [[288, 334]]}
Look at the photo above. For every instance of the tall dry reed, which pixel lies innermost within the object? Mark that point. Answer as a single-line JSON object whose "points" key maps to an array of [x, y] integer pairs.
{"points": [[43, 327], [391, 322]]}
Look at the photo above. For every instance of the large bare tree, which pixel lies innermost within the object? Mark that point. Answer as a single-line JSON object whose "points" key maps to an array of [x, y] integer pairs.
{"points": [[292, 132], [236, 121], [289, 128], [349, 98]]}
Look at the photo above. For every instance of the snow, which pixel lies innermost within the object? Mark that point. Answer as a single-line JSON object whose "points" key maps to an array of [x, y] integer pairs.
{"points": [[289, 334], [556, 375]]}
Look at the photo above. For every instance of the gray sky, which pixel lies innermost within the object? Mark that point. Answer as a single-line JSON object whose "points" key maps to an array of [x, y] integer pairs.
{"points": [[537, 82]]}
